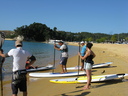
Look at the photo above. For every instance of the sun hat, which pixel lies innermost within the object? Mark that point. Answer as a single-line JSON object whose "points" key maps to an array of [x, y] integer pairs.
{"points": [[18, 42]]}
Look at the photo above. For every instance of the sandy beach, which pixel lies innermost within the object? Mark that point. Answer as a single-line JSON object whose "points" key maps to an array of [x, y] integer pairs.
{"points": [[116, 53]]}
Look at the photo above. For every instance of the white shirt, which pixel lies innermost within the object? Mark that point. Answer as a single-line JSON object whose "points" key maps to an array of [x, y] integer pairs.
{"points": [[63, 47], [20, 57]]}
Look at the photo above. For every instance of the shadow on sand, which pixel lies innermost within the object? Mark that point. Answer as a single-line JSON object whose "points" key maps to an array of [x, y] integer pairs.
{"points": [[82, 94], [105, 83], [100, 84]]}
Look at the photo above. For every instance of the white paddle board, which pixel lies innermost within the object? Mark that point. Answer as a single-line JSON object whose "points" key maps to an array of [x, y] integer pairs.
{"points": [[94, 66], [56, 74], [83, 79], [40, 68]]}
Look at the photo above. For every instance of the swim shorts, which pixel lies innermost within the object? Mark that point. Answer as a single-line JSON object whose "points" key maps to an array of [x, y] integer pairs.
{"points": [[19, 82], [82, 60], [63, 60], [87, 66]]}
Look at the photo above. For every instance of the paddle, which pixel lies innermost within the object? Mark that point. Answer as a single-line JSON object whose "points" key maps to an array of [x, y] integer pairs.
{"points": [[54, 59], [2, 37], [78, 63], [79, 60]]}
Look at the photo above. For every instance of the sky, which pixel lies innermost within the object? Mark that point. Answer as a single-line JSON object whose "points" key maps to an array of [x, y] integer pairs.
{"points": [[95, 16]]}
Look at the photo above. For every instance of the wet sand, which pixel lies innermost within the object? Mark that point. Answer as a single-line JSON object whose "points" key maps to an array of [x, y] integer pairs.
{"points": [[116, 53]]}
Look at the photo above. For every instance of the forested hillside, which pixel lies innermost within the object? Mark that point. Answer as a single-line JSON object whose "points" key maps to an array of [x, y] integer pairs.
{"points": [[41, 32]]}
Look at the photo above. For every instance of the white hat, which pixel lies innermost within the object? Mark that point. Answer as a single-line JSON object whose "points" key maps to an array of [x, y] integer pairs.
{"points": [[82, 42], [60, 41], [18, 42]]}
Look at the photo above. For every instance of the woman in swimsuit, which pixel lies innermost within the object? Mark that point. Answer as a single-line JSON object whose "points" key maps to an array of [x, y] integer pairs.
{"points": [[88, 63]]}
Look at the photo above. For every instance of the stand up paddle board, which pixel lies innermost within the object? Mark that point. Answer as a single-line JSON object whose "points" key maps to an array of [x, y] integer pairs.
{"points": [[94, 66], [56, 74], [40, 68], [83, 79]]}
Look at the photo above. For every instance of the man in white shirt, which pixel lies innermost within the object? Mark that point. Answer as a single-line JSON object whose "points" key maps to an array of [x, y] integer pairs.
{"points": [[20, 57], [64, 55]]}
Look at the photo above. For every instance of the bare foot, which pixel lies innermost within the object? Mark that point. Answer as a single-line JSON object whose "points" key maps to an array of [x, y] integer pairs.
{"points": [[86, 87], [62, 72], [82, 69]]}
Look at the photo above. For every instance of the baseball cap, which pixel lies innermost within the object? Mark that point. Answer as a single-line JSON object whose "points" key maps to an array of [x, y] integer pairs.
{"points": [[60, 42], [82, 42], [18, 42]]}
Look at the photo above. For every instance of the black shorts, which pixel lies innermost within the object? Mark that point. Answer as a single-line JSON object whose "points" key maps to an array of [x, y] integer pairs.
{"points": [[22, 86], [19, 83], [63, 60], [82, 60]]}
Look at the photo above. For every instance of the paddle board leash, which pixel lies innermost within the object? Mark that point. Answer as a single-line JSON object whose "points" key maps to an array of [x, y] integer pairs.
{"points": [[78, 64], [2, 37], [54, 58]]}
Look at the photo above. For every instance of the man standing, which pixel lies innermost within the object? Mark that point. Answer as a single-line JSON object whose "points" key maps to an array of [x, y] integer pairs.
{"points": [[20, 57], [64, 55], [83, 49]]}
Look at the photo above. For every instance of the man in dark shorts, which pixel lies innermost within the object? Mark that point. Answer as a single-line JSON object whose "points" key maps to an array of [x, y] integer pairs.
{"points": [[20, 57], [64, 55], [83, 50]]}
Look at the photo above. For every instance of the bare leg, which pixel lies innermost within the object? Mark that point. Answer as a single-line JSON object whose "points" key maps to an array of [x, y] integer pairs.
{"points": [[24, 93], [14, 94], [62, 67], [89, 77], [65, 68], [82, 66]]}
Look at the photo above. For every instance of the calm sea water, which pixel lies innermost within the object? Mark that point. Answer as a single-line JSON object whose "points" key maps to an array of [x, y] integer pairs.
{"points": [[43, 52]]}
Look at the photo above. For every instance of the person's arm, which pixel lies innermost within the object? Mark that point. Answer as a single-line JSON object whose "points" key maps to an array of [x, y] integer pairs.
{"points": [[85, 56], [4, 55], [56, 47], [32, 60], [94, 55]]}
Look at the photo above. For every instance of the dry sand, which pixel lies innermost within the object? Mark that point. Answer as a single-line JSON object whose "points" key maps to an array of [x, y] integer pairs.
{"points": [[116, 53]]}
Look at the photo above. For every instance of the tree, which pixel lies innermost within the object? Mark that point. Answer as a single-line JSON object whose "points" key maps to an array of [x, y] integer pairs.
{"points": [[40, 32], [114, 38]]}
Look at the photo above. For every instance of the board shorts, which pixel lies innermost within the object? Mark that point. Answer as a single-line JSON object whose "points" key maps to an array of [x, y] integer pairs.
{"points": [[82, 60], [87, 66], [63, 60], [19, 82]]}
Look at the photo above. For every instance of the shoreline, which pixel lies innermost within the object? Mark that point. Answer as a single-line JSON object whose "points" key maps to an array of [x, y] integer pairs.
{"points": [[9, 39], [116, 53], [103, 54]]}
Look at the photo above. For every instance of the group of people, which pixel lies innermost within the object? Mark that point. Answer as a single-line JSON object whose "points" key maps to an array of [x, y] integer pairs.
{"points": [[86, 55], [20, 56]]}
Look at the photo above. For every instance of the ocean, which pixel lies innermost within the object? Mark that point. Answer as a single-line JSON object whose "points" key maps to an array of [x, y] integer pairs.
{"points": [[43, 52]]}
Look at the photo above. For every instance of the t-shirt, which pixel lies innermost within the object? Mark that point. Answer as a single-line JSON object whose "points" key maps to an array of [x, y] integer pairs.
{"points": [[20, 57], [64, 50], [83, 50]]}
